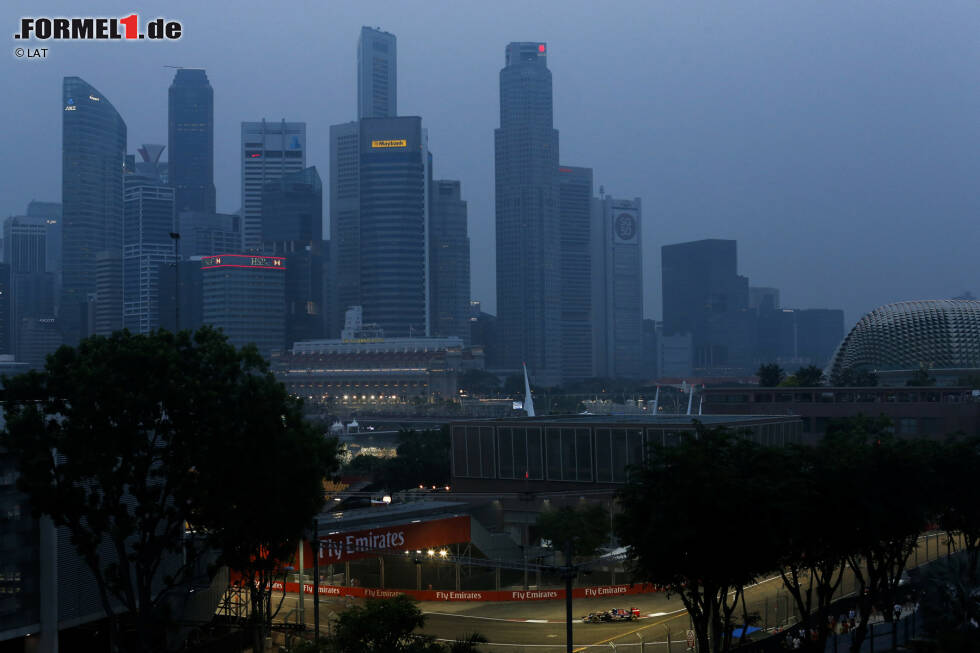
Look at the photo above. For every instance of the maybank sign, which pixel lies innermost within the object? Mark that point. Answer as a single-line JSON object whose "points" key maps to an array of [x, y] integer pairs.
{"points": [[389, 143]]}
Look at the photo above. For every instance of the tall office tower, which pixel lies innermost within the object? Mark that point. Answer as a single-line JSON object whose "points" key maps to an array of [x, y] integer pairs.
{"points": [[575, 202], [188, 272], [37, 338], [527, 220], [617, 277], [32, 288], [345, 222], [206, 234], [107, 311], [704, 295], [190, 140], [25, 243], [269, 151], [651, 345], [6, 340], [245, 297], [762, 298], [379, 222], [148, 223], [377, 79], [93, 154], [394, 216], [449, 262], [292, 226], [51, 212], [818, 333]]}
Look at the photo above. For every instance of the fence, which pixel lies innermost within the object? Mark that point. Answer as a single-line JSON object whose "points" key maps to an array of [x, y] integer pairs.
{"points": [[882, 636]]}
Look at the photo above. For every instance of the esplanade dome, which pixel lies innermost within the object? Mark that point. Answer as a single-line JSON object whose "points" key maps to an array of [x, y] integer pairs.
{"points": [[941, 334]]}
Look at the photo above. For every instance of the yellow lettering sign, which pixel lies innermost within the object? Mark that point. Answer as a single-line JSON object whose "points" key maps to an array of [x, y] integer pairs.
{"points": [[390, 143]]}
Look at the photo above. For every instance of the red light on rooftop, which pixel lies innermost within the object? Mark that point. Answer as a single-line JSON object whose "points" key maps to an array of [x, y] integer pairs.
{"points": [[255, 155], [541, 48]]}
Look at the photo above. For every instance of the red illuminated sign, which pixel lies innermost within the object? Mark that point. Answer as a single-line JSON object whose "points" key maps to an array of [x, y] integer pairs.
{"points": [[403, 537], [541, 48], [243, 261]]}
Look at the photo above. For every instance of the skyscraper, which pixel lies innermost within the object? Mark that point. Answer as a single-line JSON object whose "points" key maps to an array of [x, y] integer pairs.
{"points": [[345, 222], [617, 273], [379, 214], [25, 243], [292, 226], [704, 295], [449, 262], [149, 220], [269, 151], [244, 296], [575, 186], [191, 140], [527, 216], [394, 214], [32, 288], [93, 155], [52, 214], [377, 88]]}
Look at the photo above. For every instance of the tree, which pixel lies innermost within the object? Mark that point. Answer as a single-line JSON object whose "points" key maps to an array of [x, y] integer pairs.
{"points": [[851, 378], [479, 382], [422, 459], [957, 466], [264, 486], [587, 528], [770, 374], [810, 376], [127, 438], [696, 518], [813, 555], [950, 602], [921, 378], [891, 490], [383, 626], [969, 381]]}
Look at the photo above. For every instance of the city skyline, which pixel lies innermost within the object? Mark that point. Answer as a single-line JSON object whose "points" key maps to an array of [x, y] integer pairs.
{"points": [[834, 128]]}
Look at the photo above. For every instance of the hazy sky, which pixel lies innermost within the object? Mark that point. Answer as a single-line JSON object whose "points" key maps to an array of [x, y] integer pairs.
{"points": [[836, 141]]}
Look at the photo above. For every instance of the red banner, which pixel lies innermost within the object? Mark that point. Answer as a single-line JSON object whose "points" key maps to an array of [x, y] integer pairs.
{"points": [[337, 547], [471, 595]]}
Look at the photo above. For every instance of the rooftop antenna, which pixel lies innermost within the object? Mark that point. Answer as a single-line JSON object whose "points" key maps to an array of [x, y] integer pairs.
{"points": [[528, 401]]}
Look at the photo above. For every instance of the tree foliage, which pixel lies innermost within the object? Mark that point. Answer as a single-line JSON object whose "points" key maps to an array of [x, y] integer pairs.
{"points": [[422, 459], [694, 518], [810, 376], [706, 517], [383, 626], [586, 527], [770, 375], [479, 382], [850, 378], [960, 507], [127, 438], [921, 378]]}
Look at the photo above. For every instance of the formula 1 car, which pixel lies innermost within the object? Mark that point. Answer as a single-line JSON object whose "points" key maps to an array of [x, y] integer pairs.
{"points": [[616, 614]]}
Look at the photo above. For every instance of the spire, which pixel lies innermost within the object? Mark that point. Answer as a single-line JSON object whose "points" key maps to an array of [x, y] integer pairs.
{"points": [[528, 401]]}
